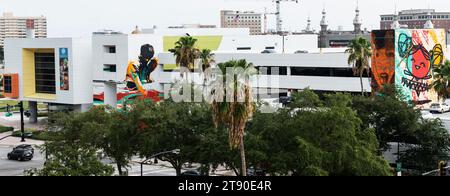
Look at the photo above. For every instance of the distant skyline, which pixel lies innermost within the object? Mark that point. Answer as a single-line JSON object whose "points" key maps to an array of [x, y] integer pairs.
{"points": [[82, 17]]}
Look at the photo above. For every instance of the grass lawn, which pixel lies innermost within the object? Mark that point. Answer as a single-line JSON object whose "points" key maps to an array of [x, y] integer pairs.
{"points": [[3, 103], [4, 129], [33, 134]]}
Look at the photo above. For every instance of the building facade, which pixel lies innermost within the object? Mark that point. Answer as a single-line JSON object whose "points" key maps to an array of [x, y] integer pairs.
{"points": [[416, 19], [248, 19], [338, 39], [406, 58], [16, 27]]}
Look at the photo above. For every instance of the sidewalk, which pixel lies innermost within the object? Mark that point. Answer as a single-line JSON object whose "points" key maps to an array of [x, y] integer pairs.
{"points": [[10, 142], [14, 121]]}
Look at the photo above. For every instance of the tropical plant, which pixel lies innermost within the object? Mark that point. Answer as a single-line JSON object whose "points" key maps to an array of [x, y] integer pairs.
{"points": [[360, 52], [185, 52], [238, 108], [207, 59], [441, 80]]}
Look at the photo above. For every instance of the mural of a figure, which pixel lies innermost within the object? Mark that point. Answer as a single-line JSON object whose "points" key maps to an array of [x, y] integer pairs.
{"points": [[383, 58], [138, 73], [418, 52]]}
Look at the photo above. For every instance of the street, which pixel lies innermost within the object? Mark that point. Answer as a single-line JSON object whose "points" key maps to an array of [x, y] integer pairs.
{"points": [[16, 168]]}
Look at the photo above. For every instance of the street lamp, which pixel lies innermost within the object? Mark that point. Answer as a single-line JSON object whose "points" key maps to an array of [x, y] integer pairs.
{"points": [[175, 151]]}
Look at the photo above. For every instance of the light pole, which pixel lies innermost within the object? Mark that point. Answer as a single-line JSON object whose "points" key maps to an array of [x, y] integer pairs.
{"points": [[176, 151], [22, 123]]}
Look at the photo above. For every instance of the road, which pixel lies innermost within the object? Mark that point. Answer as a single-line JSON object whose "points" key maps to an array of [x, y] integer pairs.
{"points": [[16, 168]]}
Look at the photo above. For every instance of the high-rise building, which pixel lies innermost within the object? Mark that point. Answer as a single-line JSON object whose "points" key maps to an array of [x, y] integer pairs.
{"points": [[16, 27], [416, 19], [248, 19]]}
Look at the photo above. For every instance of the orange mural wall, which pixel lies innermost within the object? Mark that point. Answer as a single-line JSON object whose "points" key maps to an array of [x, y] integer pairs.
{"points": [[383, 58]]}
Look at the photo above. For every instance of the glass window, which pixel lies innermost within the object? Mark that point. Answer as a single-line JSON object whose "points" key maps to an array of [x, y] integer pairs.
{"points": [[45, 73]]}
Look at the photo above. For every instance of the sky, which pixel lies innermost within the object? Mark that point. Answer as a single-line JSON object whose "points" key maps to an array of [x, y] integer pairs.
{"points": [[79, 18]]}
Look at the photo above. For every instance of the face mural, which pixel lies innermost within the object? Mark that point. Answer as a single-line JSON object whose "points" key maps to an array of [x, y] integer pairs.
{"points": [[417, 53], [383, 58]]}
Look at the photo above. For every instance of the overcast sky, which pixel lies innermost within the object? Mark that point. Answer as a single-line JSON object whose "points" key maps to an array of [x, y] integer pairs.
{"points": [[82, 17]]}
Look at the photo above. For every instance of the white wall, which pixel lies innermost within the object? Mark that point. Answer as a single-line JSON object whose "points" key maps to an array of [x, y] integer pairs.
{"points": [[82, 78], [100, 57], [203, 31], [258, 43]]}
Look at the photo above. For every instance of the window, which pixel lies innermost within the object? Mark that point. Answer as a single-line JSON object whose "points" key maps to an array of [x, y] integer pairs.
{"points": [[244, 48], [8, 84], [324, 72], [109, 68], [45, 73], [281, 71], [110, 49]]}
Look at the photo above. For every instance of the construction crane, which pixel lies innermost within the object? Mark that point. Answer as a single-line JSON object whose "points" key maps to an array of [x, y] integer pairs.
{"points": [[278, 14], [279, 21]]}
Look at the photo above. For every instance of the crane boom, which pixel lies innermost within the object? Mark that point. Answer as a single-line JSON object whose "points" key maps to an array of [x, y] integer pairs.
{"points": [[278, 14]]}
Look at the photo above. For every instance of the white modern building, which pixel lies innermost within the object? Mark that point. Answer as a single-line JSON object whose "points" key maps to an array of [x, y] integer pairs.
{"points": [[64, 71], [52, 70], [16, 27]]}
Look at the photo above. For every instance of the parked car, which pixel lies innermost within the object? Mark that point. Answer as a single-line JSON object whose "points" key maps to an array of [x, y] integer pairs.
{"points": [[439, 107], [191, 173], [256, 172], [301, 52], [269, 51], [426, 114], [20, 154], [26, 147]]}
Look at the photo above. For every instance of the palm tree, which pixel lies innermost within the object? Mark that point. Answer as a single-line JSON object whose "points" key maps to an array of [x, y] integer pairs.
{"points": [[360, 52], [185, 52], [207, 59], [441, 80], [235, 113]]}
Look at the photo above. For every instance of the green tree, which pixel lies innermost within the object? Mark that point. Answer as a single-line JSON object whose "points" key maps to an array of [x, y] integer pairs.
{"points": [[171, 125], [431, 145], [441, 80], [234, 112], [68, 159], [360, 52], [115, 133], [103, 128], [317, 138], [185, 52], [393, 119]]}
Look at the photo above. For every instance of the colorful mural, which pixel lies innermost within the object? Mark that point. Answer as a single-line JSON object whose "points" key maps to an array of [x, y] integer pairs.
{"points": [[138, 73], [417, 52], [383, 58], [64, 69]]}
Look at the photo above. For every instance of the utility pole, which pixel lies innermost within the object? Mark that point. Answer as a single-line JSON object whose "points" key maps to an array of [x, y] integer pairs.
{"points": [[22, 123]]}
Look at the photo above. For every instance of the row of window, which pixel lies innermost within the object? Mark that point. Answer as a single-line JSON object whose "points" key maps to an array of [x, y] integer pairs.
{"points": [[309, 71], [419, 17], [244, 17]]}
